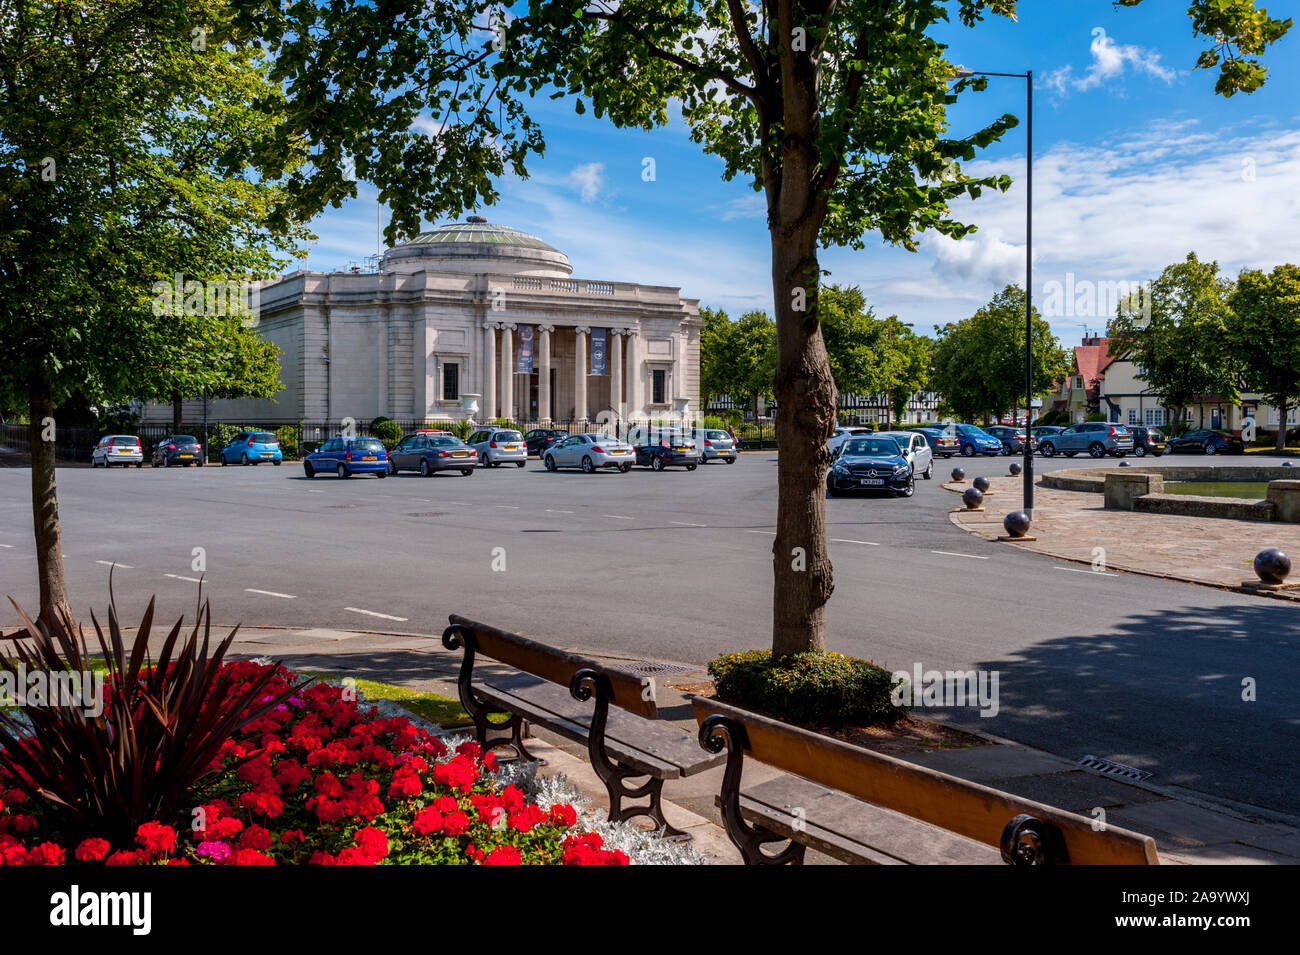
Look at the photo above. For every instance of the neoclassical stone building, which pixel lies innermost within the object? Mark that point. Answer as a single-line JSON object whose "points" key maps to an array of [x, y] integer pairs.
{"points": [[471, 313]]}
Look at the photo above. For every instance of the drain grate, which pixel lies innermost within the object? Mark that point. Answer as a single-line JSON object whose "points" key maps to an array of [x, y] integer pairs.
{"points": [[1108, 767], [651, 668]]}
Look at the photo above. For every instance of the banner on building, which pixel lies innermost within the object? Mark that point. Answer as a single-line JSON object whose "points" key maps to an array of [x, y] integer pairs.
{"points": [[598, 351], [524, 360]]}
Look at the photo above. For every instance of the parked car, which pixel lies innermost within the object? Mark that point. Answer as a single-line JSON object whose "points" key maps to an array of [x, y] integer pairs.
{"points": [[871, 464], [1207, 441], [430, 451], [844, 433], [498, 446], [659, 448], [973, 440], [252, 447], [177, 449], [942, 443], [1046, 431], [539, 439], [717, 446], [348, 456], [916, 449], [591, 452], [1096, 437], [1013, 439], [123, 449], [1147, 441]]}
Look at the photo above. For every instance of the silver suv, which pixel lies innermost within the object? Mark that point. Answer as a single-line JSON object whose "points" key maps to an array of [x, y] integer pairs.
{"points": [[1096, 437]]}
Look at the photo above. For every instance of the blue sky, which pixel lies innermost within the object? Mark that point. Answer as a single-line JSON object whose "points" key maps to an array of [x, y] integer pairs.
{"points": [[1136, 163]]}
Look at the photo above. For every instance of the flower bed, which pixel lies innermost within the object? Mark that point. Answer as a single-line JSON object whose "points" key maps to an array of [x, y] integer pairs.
{"points": [[322, 780]]}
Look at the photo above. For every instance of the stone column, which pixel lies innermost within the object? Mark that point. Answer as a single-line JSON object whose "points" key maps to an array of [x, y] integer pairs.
{"points": [[580, 370], [616, 370], [544, 373], [508, 370], [635, 395], [489, 370]]}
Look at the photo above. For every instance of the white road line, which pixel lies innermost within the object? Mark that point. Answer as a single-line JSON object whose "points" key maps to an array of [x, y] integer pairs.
{"points": [[317, 491], [113, 563], [948, 553], [846, 540], [461, 503], [615, 517], [270, 593], [1080, 570], [6, 545], [768, 533], [371, 613], [509, 507], [553, 511], [687, 524], [193, 580]]}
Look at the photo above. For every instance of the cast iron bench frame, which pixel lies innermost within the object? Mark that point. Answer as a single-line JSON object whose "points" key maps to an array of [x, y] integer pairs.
{"points": [[623, 744], [898, 796]]}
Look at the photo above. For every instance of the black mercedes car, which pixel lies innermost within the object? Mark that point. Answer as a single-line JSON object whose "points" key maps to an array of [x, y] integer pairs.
{"points": [[177, 449], [870, 464]]}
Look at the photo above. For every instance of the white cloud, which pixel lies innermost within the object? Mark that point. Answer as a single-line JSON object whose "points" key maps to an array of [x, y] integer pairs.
{"points": [[588, 179], [1109, 62], [752, 206]]}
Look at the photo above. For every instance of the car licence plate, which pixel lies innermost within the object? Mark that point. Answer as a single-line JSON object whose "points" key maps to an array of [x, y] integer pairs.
{"points": [[267, 454], [369, 457], [618, 451], [184, 455], [681, 449], [871, 480], [459, 454], [510, 447]]}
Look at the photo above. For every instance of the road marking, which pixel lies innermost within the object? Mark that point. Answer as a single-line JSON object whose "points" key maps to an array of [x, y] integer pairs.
{"points": [[687, 524], [6, 545], [616, 517], [372, 613], [461, 503], [769, 533], [846, 540], [510, 507], [317, 491], [1080, 570], [552, 511], [193, 580], [113, 563], [270, 593], [948, 553]]}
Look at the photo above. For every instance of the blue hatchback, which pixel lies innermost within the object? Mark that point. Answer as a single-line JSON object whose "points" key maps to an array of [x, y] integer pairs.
{"points": [[252, 447], [974, 440], [348, 456]]}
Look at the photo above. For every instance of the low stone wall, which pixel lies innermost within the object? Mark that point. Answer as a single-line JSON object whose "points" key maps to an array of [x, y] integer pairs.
{"points": [[1285, 496], [1122, 488], [1193, 505]]}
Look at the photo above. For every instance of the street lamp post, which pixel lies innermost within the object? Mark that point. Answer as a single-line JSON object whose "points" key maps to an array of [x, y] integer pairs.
{"points": [[1028, 77]]}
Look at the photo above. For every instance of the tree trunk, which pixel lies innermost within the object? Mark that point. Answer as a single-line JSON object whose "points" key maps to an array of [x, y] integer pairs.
{"points": [[177, 414], [1280, 445], [805, 420], [45, 504]]}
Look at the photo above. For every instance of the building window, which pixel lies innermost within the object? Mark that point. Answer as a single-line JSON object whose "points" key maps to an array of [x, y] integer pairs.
{"points": [[1132, 416], [659, 380], [1153, 417], [450, 381], [1078, 382]]}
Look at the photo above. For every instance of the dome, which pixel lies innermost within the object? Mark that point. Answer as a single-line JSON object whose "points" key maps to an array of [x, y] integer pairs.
{"points": [[477, 245]]}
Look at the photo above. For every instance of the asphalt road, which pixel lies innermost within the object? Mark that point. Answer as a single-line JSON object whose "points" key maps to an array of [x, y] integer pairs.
{"points": [[677, 566]]}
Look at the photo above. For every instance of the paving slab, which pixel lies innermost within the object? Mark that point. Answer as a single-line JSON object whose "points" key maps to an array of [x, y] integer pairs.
{"points": [[980, 763], [1188, 825]]}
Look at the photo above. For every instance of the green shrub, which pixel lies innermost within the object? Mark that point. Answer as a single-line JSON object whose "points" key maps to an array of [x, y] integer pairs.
{"points": [[818, 687], [386, 430], [219, 436], [288, 438], [461, 429]]}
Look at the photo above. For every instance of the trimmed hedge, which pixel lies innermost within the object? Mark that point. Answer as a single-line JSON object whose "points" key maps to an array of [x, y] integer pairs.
{"points": [[818, 687]]}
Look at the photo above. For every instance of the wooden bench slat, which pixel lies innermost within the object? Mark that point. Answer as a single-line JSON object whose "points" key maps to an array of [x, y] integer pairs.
{"points": [[854, 831], [958, 805], [556, 665]]}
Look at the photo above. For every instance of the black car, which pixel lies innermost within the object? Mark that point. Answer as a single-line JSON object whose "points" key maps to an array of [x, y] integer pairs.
{"points": [[1013, 439], [1208, 442], [1148, 441], [870, 464], [539, 439], [659, 448], [177, 449]]}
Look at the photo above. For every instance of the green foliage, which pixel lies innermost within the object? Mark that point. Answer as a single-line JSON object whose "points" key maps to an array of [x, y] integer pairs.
{"points": [[119, 419], [979, 362], [1095, 416], [461, 429], [816, 687], [386, 430], [1263, 332], [287, 435], [1056, 416], [737, 358]]}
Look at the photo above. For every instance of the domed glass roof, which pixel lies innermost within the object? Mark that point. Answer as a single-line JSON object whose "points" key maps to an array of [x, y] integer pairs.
{"points": [[478, 229]]}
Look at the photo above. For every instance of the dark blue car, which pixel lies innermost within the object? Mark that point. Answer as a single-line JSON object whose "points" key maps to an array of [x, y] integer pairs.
{"points": [[870, 464], [348, 456]]}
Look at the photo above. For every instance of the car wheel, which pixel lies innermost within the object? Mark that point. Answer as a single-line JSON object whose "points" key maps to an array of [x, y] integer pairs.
{"points": [[1139, 452], [1097, 449], [1210, 449], [224, 462], [520, 464], [382, 474], [624, 468], [967, 450], [466, 472], [929, 471], [909, 490], [691, 467], [243, 460], [656, 464], [587, 466], [342, 471], [424, 467], [276, 463], [549, 461], [199, 462], [731, 460], [1047, 449], [308, 470], [392, 468], [831, 489], [140, 463], [1158, 454], [483, 460]]}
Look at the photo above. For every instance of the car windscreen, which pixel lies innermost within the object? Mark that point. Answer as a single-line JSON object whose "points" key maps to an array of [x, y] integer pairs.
{"points": [[367, 445], [265, 437], [507, 436], [439, 441], [183, 439], [122, 439], [717, 435], [604, 439], [873, 446]]}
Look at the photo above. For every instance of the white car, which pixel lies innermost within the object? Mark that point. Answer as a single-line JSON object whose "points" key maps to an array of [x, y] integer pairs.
{"points": [[591, 452], [844, 433], [123, 449], [915, 449], [498, 446]]}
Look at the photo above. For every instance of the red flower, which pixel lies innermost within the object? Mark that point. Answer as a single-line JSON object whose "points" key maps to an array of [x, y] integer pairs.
{"points": [[256, 837], [92, 850], [563, 815], [156, 838], [47, 853], [427, 821], [250, 857], [456, 823], [504, 855], [124, 857], [526, 818], [372, 841], [292, 835]]}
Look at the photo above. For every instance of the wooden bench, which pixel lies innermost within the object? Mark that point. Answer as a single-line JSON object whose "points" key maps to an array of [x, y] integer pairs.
{"points": [[555, 689], [868, 808]]}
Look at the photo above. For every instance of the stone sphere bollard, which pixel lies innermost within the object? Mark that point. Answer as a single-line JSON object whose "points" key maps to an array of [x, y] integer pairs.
{"points": [[1123, 464], [959, 474], [972, 497], [1014, 468], [982, 483], [1272, 566], [1016, 524]]}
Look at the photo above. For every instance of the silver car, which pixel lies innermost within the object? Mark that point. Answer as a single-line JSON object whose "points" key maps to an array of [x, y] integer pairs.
{"points": [[591, 452], [916, 449], [716, 446], [498, 446], [123, 449], [845, 433]]}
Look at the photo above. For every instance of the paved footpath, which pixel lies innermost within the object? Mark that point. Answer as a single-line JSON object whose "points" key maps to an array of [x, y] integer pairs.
{"points": [[1188, 827]]}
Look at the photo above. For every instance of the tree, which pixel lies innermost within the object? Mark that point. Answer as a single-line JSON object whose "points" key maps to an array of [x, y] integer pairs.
{"points": [[130, 150], [1175, 334], [979, 362], [741, 355], [1263, 331]]}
